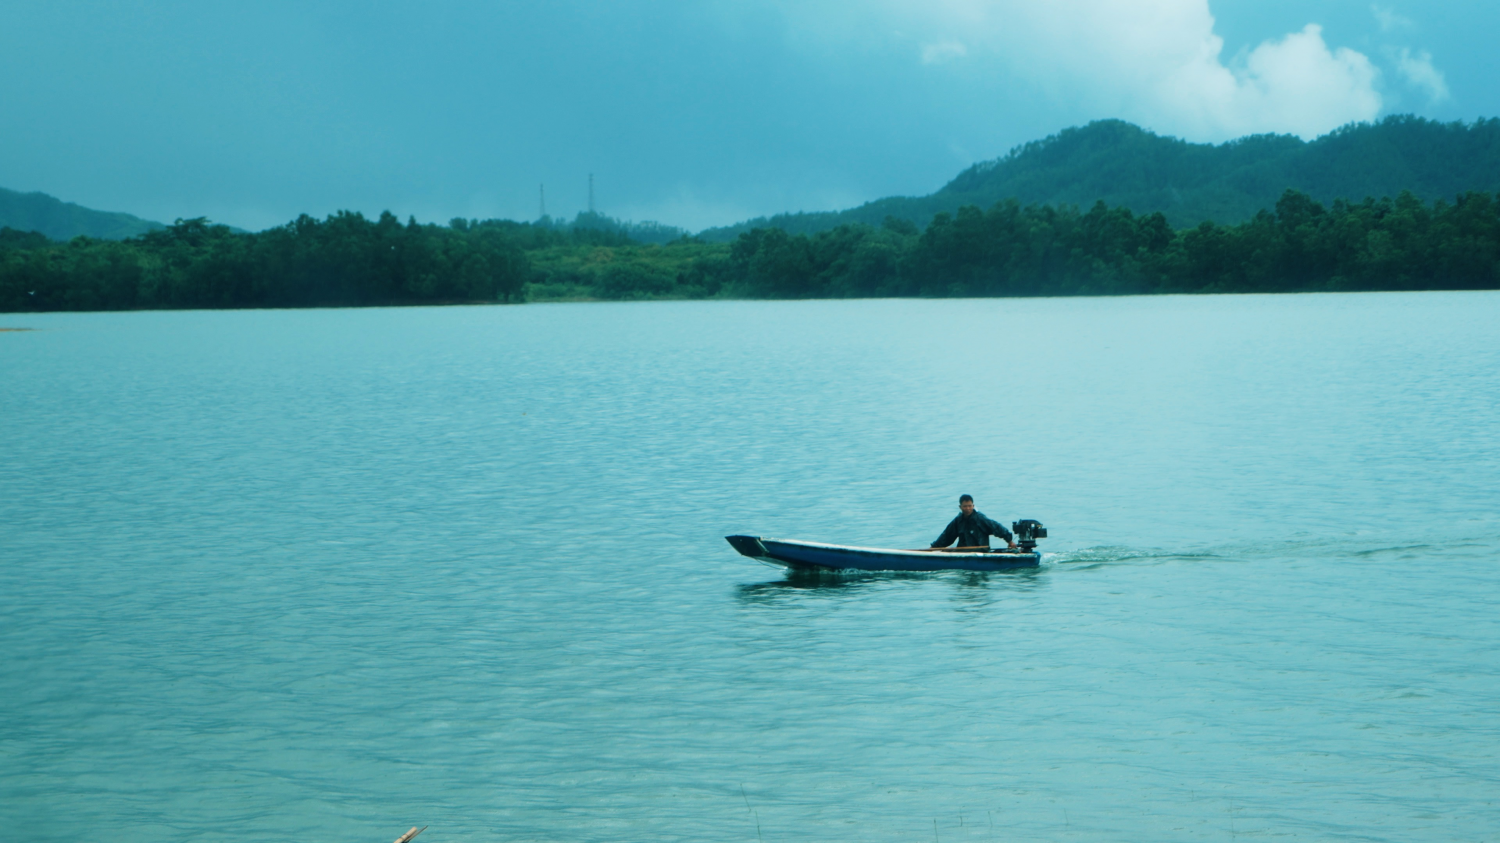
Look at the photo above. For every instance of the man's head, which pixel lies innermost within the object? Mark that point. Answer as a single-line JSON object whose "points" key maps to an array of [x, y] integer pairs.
{"points": [[965, 504]]}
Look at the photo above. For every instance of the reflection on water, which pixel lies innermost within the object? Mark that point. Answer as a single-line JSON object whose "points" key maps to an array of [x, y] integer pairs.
{"points": [[963, 582]]}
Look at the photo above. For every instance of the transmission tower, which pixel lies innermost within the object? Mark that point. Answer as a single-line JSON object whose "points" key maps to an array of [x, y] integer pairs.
{"points": [[591, 193], [544, 201]]}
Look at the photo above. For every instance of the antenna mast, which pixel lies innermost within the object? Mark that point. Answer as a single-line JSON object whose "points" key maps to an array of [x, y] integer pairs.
{"points": [[544, 201], [591, 193]]}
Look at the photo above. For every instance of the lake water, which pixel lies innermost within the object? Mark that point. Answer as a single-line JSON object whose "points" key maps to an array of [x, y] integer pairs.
{"points": [[323, 575]]}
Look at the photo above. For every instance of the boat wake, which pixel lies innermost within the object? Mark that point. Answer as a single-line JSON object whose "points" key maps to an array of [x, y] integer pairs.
{"points": [[1363, 546], [1093, 557]]}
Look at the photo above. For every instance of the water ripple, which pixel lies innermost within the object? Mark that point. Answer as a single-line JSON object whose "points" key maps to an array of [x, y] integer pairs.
{"points": [[329, 574]]}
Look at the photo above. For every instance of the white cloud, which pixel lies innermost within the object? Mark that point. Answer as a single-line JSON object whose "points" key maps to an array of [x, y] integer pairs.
{"points": [[1295, 84], [943, 51], [1388, 20], [1418, 70], [1156, 62]]}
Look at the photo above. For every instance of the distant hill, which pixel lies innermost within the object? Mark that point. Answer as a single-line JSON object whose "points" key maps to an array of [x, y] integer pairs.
{"points": [[1125, 165], [61, 220]]}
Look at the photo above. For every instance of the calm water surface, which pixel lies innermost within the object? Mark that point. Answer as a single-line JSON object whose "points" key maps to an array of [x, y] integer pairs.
{"points": [[324, 575]]}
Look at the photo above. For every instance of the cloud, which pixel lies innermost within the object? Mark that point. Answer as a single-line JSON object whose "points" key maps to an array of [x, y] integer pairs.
{"points": [[1388, 20], [1157, 62], [943, 51], [1295, 84], [1417, 69]]}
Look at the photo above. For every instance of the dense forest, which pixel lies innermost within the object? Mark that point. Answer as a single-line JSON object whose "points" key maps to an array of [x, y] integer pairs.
{"points": [[1009, 249], [1125, 165]]}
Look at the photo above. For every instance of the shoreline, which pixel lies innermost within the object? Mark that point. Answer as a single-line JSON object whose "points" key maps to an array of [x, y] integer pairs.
{"points": [[678, 299]]}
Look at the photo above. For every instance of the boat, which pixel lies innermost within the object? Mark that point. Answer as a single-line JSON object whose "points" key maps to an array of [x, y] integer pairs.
{"points": [[815, 556]]}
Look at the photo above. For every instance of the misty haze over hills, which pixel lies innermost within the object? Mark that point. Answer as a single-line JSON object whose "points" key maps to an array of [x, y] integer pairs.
{"points": [[1111, 161]]}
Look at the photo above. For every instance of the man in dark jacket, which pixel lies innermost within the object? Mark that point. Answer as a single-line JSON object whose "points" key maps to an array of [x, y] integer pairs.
{"points": [[971, 528]]}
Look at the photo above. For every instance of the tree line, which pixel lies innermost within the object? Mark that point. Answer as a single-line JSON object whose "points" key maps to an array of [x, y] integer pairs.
{"points": [[1006, 250], [344, 260], [1010, 250]]}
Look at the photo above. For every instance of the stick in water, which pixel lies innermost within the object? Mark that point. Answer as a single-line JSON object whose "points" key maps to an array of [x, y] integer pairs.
{"points": [[406, 838]]}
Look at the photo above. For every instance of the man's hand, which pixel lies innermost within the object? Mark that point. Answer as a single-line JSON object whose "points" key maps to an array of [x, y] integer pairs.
{"points": [[1010, 544]]}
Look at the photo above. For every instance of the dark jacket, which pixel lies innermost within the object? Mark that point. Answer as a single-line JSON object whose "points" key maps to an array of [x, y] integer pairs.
{"points": [[973, 530]]}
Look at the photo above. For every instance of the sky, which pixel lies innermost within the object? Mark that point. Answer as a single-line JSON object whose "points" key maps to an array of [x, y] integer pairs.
{"points": [[687, 112]]}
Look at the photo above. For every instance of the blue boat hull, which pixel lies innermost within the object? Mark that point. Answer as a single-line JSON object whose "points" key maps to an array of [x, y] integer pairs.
{"points": [[837, 557]]}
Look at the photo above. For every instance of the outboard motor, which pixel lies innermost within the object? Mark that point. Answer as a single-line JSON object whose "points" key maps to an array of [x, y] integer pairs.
{"points": [[1027, 532]]}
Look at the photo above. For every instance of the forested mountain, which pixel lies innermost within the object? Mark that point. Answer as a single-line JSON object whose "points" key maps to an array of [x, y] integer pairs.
{"points": [[61, 220], [1100, 210], [1111, 161], [1126, 166]]}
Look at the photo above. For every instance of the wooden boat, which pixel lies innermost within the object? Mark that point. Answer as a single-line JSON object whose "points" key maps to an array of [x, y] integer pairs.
{"points": [[808, 556]]}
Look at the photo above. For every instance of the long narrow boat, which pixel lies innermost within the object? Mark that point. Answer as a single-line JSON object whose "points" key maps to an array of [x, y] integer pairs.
{"points": [[818, 556]]}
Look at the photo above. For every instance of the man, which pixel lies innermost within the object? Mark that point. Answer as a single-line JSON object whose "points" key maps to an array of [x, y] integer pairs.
{"points": [[971, 528]]}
